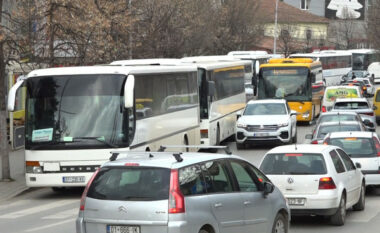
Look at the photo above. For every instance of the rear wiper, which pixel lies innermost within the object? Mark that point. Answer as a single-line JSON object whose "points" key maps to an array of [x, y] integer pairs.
{"points": [[300, 173], [99, 139]]}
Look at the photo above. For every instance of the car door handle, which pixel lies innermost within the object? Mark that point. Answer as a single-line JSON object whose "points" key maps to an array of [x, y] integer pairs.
{"points": [[217, 205], [247, 203]]}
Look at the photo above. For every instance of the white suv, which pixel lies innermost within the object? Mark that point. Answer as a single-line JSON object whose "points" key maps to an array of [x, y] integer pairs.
{"points": [[166, 192], [266, 120]]}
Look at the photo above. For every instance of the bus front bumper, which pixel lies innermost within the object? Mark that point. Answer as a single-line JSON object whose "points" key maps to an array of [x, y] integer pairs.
{"points": [[57, 179]]}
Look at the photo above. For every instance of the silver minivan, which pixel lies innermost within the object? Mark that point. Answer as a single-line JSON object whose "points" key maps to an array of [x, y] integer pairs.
{"points": [[181, 192]]}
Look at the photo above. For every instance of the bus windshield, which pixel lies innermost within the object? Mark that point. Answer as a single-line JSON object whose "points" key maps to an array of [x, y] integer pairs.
{"points": [[287, 83], [77, 112]]}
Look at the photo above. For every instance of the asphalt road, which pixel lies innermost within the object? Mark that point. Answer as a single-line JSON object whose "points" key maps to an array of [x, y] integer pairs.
{"points": [[43, 211]]}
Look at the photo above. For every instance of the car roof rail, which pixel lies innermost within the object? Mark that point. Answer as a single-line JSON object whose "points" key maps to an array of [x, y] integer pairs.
{"points": [[225, 148]]}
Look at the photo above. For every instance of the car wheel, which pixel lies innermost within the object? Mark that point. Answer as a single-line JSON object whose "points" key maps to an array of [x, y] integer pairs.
{"points": [[280, 225], [240, 146], [360, 205], [340, 216]]}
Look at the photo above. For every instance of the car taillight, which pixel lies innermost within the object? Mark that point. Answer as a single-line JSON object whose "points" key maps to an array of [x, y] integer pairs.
{"points": [[367, 113], [84, 194], [314, 142], [324, 109], [326, 141], [368, 85], [377, 145], [326, 183], [176, 198]]}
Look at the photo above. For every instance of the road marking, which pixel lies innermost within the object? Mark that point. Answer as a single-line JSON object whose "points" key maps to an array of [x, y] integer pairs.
{"points": [[51, 225], [372, 209], [13, 204], [37, 209], [64, 214]]}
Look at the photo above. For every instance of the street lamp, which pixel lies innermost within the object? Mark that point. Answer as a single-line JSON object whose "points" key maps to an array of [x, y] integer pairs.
{"points": [[275, 30]]}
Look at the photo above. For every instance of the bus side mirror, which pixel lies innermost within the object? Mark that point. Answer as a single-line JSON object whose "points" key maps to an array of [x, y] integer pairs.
{"points": [[129, 91], [12, 94], [211, 88], [254, 84]]}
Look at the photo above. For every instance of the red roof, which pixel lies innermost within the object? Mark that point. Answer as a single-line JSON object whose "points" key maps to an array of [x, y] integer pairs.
{"points": [[286, 13]]}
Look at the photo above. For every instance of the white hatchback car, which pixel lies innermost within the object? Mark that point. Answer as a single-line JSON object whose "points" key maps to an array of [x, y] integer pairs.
{"points": [[266, 121], [316, 180], [362, 147]]}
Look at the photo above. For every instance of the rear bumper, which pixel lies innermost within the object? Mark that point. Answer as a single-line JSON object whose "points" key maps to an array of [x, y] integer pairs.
{"points": [[372, 179], [316, 204], [323, 212]]}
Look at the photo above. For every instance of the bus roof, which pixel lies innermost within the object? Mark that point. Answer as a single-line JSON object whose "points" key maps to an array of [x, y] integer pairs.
{"points": [[249, 54], [363, 51], [108, 69], [291, 62], [323, 53], [209, 62]]}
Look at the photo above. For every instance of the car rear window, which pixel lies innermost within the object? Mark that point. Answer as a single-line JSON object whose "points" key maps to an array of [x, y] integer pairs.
{"points": [[131, 183], [356, 147], [325, 129], [336, 118], [351, 105], [293, 163]]}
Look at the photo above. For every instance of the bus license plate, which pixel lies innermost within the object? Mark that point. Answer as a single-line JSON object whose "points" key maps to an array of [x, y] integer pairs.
{"points": [[123, 229], [73, 179], [296, 201]]}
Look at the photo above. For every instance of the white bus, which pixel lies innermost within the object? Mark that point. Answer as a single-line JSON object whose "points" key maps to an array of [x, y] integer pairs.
{"points": [[221, 96], [76, 116], [335, 64], [221, 91], [362, 58]]}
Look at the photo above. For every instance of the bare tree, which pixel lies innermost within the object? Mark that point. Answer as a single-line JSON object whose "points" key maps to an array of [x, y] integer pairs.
{"points": [[373, 24]]}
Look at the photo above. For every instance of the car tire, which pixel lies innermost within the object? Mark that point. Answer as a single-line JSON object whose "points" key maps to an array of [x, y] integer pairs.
{"points": [[339, 217], [240, 146], [280, 224], [360, 205]]}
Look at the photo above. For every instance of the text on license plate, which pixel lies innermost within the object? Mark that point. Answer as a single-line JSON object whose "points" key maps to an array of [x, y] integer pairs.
{"points": [[296, 201], [123, 229], [73, 179]]}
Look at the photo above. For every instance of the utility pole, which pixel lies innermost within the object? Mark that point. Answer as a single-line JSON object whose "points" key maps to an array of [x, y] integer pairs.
{"points": [[4, 147], [130, 52], [275, 30]]}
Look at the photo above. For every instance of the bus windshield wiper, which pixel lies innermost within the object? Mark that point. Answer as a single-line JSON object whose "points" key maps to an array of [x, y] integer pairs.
{"points": [[48, 144], [99, 139]]}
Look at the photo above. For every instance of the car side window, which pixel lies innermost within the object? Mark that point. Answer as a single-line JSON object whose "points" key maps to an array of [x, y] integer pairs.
{"points": [[346, 160], [244, 177], [337, 162], [216, 177], [191, 180]]}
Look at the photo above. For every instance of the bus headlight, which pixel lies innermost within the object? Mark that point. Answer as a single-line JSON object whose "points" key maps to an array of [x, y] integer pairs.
{"points": [[241, 125], [306, 114], [33, 167]]}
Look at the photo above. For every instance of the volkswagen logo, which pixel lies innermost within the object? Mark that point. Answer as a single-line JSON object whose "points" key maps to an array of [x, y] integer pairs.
{"points": [[122, 209], [290, 180]]}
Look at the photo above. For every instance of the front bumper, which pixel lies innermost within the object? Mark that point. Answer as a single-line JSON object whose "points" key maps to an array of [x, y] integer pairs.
{"points": [[246, 135]]}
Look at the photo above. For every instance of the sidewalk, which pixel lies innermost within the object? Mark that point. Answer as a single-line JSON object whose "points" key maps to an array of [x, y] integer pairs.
{"points": [[9, 189]]}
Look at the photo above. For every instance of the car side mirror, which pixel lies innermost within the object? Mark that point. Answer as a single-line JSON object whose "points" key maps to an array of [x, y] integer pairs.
{"points": [[358, 165], [366, 122], [268, 188], [238, 114], [374, 107], [308, 136], [294, 113]]}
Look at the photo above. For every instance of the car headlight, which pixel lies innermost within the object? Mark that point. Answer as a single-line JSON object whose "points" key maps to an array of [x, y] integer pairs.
{"points": [[241, 125], [283, 124]]}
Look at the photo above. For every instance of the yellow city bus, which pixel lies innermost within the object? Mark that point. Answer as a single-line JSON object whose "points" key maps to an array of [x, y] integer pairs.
{"points": [[298, 80]]}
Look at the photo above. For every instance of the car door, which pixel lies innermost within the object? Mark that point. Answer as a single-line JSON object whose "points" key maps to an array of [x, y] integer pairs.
{"points": [[226, 203], [354, 181], [257, 208], [341, 177]]}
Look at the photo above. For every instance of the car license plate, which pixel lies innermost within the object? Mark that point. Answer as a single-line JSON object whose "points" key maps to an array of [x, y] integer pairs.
{"points": [[296, 201], [260, 134], [123, 229], [73, 179]]}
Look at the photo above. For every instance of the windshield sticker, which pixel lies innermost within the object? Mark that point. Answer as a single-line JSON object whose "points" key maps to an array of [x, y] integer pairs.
{"points": [[42, 135], [333, 94]]}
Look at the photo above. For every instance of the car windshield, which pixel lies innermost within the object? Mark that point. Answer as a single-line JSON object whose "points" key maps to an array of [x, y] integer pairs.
{"points": [[325, 129], [356, 147], [351, 105], [358, 74], [265, 109], [293, 163], [337, 118], [131, 183]]}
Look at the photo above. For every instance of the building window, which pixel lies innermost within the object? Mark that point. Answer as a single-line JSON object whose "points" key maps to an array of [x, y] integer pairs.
{"points": [[305, 4], [308, 34]]}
